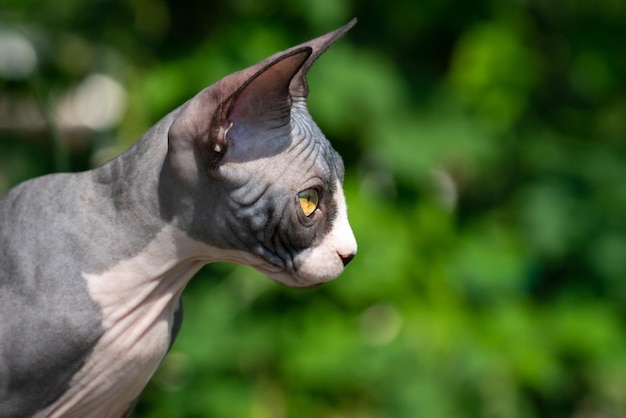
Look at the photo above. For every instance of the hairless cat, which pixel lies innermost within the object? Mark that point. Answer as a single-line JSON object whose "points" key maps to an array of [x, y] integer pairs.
{"points": [[92, 264]]}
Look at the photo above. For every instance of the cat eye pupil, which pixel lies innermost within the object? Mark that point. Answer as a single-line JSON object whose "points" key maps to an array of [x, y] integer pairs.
{"points": [[308, 201]]}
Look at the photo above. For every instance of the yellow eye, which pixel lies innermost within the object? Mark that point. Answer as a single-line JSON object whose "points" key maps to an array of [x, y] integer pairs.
{"points": [[308, 201]]}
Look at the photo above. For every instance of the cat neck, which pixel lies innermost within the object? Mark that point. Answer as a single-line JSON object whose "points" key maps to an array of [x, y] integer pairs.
{"points": [[155, 275], [137, 298], [151, 249], [130, 182]]}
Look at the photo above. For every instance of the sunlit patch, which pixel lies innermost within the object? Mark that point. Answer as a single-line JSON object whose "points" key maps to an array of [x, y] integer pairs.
{"points": [[308, 201], [380, 324], [18, 58], [98, 103]]}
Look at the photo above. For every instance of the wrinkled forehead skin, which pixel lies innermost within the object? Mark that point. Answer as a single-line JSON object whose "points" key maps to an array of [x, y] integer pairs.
{"points": [[264, 190], [290, 154]]}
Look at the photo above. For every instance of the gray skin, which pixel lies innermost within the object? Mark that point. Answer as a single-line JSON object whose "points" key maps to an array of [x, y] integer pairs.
{"points": [[194, 169]]}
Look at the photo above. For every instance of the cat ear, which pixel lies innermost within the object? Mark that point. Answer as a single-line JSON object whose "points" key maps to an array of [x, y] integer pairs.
{"points": [[264, 97], [256, 117], [259, 95], [256, 95]]}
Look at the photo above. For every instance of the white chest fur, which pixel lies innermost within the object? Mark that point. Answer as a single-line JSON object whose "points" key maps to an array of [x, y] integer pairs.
{"points": [[137, 297]]}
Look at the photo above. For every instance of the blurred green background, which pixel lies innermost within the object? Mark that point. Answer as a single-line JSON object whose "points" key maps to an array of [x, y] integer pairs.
{"points": [[485, 145]]}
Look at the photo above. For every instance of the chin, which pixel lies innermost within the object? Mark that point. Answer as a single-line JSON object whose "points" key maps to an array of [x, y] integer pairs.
{"points": [[298, 280]]}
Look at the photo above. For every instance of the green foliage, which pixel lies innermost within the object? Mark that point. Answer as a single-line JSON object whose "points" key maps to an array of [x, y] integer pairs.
{"points": [[485, 146]]}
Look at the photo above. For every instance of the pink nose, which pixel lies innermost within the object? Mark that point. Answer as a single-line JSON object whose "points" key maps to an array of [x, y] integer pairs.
{"points": [[345, 259]]}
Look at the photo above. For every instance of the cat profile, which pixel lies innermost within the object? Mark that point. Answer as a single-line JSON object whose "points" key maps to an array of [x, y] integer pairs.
{"points": [[92, 264]]}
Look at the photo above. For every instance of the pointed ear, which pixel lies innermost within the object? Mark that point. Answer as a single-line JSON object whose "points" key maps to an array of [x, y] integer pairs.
{"points": [[265, 96], [260, 94], [259, 111], [299, 87], [257, 95]]}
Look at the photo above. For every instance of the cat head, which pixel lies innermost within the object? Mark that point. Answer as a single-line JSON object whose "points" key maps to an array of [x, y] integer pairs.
{"points": [[252, 174]]}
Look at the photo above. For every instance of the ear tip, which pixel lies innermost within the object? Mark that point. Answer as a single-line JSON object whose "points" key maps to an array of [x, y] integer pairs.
{"points": [[339, 32], [317, 46], [351, 23], [333, 36]]}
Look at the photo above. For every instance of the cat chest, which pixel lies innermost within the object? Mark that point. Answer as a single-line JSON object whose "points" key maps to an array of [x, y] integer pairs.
{"points": [[137, 300], [119, 366]]}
